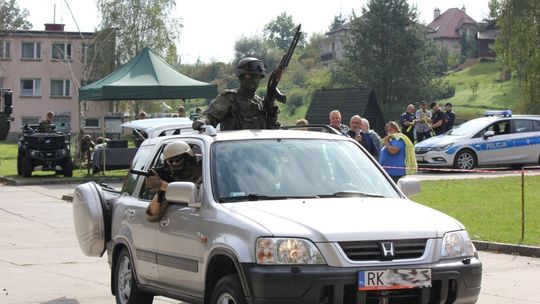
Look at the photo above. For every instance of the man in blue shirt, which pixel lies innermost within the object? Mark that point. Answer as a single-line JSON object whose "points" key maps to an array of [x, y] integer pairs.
{"points": [[407, 120], [450, 117]]}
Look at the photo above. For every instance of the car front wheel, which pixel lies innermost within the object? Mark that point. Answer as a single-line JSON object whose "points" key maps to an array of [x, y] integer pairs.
{"points": [[228, 290], [126, 290], [465, 160]]}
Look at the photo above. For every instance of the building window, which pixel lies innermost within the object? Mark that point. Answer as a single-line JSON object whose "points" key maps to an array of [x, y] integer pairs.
{"points": [[61, 51], [30, 87], [91, 123], [31, 50], [61, 87], [5, 51], [29, 120]]}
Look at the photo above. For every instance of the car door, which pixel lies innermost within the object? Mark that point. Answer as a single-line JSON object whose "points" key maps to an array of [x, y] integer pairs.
{"points": [[526, 140], [496, 149], [141, 234], [181, 244]]}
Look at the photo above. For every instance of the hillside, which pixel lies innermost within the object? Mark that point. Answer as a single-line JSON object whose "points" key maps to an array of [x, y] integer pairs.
{"points": [[491, 92]]}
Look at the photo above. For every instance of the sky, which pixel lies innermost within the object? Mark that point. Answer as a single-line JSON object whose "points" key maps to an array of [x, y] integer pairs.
{"points": [[211, 27]]}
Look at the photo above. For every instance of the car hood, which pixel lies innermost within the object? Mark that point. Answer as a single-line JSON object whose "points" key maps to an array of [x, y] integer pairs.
{"points": [[346, 219], [440, 140]]}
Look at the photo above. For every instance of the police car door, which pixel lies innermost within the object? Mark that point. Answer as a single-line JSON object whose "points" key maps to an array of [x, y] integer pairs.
{"points": [[526, 140], [497, 149], [180, 244]]}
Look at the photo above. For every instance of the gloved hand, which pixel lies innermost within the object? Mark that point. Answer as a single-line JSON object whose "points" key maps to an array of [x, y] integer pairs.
{"points": [[198, 124], [153, 182]]}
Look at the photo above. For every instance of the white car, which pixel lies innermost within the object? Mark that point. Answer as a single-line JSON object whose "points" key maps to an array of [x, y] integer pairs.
{"points": [[497, 139]]}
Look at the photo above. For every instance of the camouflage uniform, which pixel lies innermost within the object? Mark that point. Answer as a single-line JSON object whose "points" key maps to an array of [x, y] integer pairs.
{"points": [[238, 112], [44, 127], [241, 109]]}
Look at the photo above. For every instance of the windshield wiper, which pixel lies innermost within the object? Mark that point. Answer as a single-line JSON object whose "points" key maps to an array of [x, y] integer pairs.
{"points": [[260, 197], [351, 194]]}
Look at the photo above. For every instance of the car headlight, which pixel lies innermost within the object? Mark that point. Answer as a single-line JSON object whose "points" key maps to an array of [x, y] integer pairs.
{"points": [[457, 244], [35, 153], [283, 251], [61, 153], [442, 148]]}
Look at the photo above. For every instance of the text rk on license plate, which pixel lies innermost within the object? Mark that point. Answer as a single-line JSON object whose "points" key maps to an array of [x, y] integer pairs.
{"points": [[394, 279]]}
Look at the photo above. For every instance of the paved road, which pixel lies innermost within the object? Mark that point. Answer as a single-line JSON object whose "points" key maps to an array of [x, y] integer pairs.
{"points": [[41, 263]]}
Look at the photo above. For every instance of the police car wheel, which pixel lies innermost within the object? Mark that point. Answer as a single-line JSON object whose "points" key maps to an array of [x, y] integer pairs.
{"points": [[465, 160]]}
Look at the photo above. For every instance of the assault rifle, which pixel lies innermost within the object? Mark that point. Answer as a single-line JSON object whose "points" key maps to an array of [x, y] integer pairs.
{"points": [[272, 92]]}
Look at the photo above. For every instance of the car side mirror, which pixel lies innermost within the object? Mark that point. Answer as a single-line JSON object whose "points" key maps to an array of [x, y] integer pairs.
{"points": [[182, 192], [488, 134], [409, 186]]}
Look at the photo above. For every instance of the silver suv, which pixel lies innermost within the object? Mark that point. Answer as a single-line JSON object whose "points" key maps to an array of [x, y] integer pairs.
{"points": [[281, 216]]}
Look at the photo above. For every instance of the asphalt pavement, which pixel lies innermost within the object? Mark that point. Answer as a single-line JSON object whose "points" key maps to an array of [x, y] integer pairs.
{"points": [[40, 260]]}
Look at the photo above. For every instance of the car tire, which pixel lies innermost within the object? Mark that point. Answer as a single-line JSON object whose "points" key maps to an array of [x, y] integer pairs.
{"points": [[125, 288], [465, 160], [27, 167], [67, 168], [228, 290]]}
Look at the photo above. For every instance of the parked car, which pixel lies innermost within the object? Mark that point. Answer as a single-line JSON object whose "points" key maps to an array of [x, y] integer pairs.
{"points": [[498, 139], [43, 151], [281, 216]]}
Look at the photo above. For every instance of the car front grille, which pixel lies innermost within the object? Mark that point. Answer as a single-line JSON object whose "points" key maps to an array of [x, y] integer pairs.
{"points": [[373, 251], [422, 150], [46, 142]]}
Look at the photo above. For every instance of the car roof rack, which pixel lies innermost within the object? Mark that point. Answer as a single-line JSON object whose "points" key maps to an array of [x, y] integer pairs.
{"points": [[503, 113]]}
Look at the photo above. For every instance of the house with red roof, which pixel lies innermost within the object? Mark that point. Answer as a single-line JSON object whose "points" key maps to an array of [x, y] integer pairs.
{"points": [[455, 30]]}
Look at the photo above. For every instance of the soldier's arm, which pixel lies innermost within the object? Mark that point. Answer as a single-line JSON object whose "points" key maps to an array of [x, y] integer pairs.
{"points": [[218, 110]]}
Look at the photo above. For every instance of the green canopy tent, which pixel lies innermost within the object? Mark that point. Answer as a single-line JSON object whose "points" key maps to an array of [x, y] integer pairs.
{"points": [[146, 76]]}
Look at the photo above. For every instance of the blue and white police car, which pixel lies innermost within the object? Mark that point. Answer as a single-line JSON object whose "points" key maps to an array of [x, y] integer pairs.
{"points": [[499, 138]]}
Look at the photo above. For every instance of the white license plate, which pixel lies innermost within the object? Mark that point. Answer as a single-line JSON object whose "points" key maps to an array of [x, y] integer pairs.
{"points": [[420, 158], [394, 279]]}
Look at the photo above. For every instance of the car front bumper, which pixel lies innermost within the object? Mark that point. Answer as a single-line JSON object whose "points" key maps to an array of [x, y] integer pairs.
{"points": [[455, 282], [435, 159]]}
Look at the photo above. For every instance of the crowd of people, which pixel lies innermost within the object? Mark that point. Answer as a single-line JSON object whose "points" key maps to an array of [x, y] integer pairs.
{"points": [[395, 151]]}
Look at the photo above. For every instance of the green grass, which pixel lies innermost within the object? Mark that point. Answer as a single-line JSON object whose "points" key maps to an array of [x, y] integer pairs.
{"points": [[8, 167], [491, 94], [490, 208]]}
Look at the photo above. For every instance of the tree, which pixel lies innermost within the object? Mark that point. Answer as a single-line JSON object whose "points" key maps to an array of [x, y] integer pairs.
{"points": [[281, 31], [12, 17], [139, 24], [254, 46], [339, 20], [494, 9], [389, 51], [517, 45]]}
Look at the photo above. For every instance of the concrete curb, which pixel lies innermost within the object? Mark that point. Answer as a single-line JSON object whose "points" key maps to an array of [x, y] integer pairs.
{"points": [[523, 250], [57, 180]]}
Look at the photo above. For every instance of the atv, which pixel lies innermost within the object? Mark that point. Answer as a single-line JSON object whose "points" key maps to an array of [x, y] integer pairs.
{"points": [[44, 151]]}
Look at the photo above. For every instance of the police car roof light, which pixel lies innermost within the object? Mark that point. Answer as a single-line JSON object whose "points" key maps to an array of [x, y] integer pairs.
{"points": [[503, 113]]}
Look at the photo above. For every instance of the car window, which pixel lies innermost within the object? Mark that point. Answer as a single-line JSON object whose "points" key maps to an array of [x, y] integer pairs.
{"points": [[293, 168], [160, 166], [501, 127], [139, 161], [523, 125], [536, 125]]}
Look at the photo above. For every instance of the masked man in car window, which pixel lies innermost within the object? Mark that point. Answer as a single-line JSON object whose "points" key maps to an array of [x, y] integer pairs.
{"points": [[241, 109], [181, 165]]}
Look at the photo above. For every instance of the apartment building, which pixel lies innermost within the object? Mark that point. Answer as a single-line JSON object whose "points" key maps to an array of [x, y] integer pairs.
{"points": [[44, 69]]}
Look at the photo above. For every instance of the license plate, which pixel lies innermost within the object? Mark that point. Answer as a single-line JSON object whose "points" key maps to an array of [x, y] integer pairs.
{"points": [[394, 279], [420, 158]]}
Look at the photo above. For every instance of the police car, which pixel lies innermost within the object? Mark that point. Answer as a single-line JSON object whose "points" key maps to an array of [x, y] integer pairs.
{"points": [[498, 138]]}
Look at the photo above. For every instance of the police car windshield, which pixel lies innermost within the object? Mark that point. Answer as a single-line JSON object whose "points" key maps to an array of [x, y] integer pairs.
{"points": [[294, 168], [471, 127]]}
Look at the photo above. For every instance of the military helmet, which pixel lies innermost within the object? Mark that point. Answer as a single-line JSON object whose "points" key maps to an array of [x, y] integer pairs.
{"points": [[177, 148], [251, 66]]}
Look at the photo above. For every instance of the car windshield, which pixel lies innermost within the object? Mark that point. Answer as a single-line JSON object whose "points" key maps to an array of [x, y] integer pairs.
{"points": [[470, 127], [294, 168]]}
